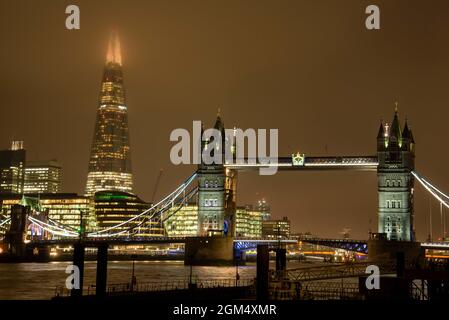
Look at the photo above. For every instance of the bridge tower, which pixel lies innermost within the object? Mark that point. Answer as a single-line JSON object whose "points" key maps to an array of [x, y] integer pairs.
{"points": [[396, 155], [16, 235], [211, 190]]}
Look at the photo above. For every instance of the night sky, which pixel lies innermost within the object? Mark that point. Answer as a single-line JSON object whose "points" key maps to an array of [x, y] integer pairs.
{"points": [[308, 68]]}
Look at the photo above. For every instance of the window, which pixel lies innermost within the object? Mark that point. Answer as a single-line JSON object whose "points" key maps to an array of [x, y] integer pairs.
{"points": [[388, 204]]}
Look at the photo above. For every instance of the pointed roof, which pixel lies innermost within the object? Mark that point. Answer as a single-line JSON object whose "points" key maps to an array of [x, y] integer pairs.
{"points": [[406, 131], [395, 129], [381, 133], [412, 139], [114, 53], [219, 124]]}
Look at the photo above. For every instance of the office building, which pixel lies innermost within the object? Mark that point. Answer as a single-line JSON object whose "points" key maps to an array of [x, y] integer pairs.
{"points": [[248, 222], [276, 229], [63, 208], [12, 169], [182, 222], [42, 177], [114, 207]]}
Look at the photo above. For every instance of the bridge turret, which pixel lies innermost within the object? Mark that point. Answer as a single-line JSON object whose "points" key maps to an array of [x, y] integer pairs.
{"points": [[217, 188], [16, 236], [382, 134], [395, 181], [211, 184], [407, 138]]}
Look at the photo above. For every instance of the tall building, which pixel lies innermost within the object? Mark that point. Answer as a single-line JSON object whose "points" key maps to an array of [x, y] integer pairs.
{"points": [[43, 177], [110, 158], [12, 168], [396, 153]]}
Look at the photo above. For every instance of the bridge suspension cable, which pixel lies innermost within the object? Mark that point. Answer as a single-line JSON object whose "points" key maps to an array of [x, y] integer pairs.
{"points": [[53, 229], [5, 221], [187, 197], [157, 216], [155, 210], [432, 189]]}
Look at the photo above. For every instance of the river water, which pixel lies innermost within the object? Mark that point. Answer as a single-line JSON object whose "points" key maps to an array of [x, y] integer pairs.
{"points": [[39, 280]]}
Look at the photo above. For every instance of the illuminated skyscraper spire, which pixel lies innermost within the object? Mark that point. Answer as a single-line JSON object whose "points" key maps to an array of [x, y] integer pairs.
{"points": [[114, 53], [110, 158]]}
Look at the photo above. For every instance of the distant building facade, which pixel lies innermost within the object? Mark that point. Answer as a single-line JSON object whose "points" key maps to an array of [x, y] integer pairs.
{"points": [[248, 222], [276, 229], [63, 208], [114, 207], [43, 177], [183, 222], [12, 169]]}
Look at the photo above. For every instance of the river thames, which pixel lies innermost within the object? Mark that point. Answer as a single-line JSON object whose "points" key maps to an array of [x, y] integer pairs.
{"points": [[39, 280]]}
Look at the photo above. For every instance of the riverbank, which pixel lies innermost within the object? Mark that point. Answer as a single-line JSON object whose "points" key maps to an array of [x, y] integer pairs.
{"points": [[91, 257]]}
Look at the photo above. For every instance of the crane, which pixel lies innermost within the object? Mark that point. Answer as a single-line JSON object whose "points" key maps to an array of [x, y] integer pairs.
{"points": [[156, 185]]}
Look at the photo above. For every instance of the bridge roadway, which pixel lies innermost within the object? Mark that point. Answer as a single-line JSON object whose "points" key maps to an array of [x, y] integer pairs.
{"points": [[362, 163], [93, 242], [360, 246]]}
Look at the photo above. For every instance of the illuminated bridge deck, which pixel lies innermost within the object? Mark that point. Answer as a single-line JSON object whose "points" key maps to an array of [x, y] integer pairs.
{"points": [[364, 163], [148, 240]]}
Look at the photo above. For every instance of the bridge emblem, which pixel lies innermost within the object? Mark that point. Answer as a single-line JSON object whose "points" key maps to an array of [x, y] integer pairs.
{"points": [[298, 159]]}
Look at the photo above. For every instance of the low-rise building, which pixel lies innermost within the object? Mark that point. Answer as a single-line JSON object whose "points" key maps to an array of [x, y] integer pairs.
{"points": [[115, 207], [276, 229], [63, 208]]}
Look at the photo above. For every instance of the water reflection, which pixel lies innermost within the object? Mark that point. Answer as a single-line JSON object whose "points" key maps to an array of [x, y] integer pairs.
{"points": [[39, 280]]}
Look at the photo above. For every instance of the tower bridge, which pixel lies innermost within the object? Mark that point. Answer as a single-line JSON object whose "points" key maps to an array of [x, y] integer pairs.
{"points": [[216, 188]]}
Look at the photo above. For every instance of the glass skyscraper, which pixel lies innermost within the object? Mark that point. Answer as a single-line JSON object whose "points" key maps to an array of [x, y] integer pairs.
{"points": [[110, 158]]}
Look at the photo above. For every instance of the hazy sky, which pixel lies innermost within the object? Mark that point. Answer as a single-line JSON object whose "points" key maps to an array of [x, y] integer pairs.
{"points": [[308, 68]]}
